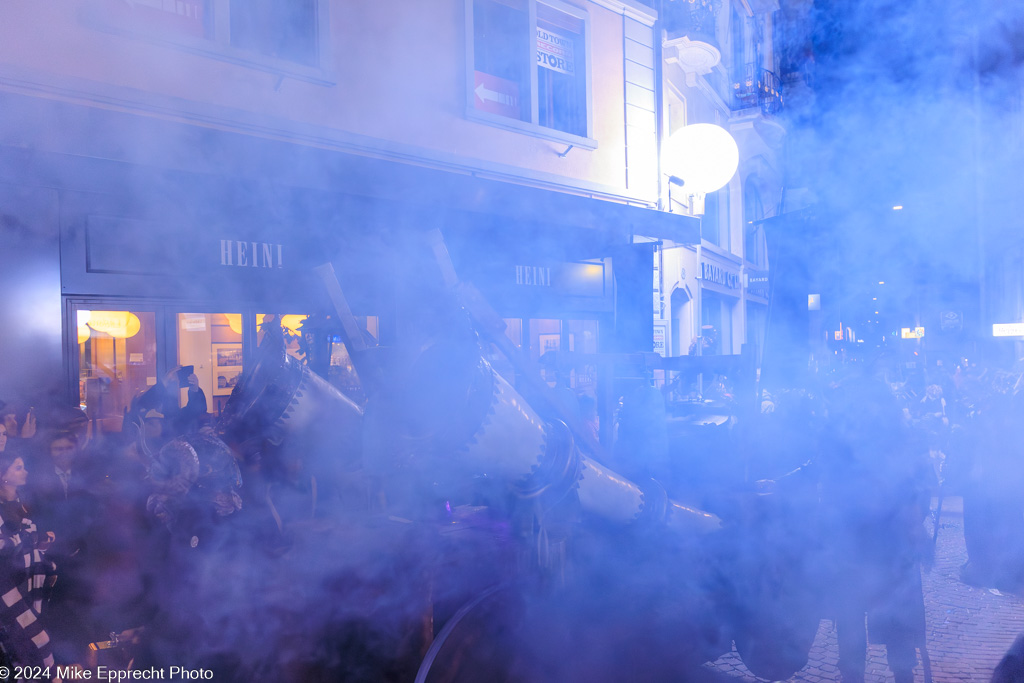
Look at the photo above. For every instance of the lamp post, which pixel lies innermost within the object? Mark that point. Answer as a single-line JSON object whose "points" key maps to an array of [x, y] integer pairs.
{"points": [[701, 158]]}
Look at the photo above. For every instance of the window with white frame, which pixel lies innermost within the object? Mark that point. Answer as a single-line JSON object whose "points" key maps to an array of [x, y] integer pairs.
{"points": [[714, 224], [753, 233], [281, 35], [528, 65]]}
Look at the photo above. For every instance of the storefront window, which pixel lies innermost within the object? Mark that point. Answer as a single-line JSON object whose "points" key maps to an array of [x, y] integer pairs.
{"points": [[212, 344], [579, 336], [116, 361], [583, 339], [715, 324], [545, 336], [291, 324]]}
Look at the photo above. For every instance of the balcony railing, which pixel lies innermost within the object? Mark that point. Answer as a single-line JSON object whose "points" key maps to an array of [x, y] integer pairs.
{"points": [[693, 19], [758, 88]]}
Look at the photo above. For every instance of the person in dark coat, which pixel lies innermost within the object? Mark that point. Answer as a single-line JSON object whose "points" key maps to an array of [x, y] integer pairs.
{"points": [[58, 495], [58, 492], [1011, 667], [876, 488]]}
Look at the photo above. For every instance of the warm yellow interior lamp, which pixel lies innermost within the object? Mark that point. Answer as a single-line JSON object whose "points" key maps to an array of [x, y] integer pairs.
{"points": [[83, 326], [118, 324], [289, 322], [234, 322]]}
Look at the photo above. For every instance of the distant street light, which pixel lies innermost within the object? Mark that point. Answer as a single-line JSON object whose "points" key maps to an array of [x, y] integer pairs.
{"points": [[702, 157]]}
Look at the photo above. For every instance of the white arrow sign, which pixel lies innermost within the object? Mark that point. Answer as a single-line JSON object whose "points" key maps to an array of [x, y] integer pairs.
{"points": [[486, 94]]}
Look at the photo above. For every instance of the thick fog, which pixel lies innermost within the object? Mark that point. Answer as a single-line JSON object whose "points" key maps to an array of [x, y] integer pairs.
{"points": [[455, 518]]}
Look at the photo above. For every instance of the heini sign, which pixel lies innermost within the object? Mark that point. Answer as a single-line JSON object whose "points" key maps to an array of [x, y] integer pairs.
{"points": [[251, 254], [1008, 330]]}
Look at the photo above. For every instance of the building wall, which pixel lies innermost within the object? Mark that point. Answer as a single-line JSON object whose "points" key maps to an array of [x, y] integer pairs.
{"points": [[392, 82]]}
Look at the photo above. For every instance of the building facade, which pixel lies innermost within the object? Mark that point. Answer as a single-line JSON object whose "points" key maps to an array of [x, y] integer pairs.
{"points": [[172, 170], [722, 67]]}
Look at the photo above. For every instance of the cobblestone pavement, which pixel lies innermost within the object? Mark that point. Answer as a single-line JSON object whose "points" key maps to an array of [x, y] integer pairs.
{"points": [[969, 629]]}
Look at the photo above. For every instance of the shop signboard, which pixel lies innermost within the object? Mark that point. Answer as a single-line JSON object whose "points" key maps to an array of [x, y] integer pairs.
{"points": [[757, 283], [579, 278], [911, 332], [717, 274], [555, 52], [495, 95], [1008, 330], [951, 321], [660, 333]]}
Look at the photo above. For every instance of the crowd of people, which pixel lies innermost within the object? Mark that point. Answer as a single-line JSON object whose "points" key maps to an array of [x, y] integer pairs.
{"points": [[81, 512], [888, 441], [76, 539], [969, 417]]}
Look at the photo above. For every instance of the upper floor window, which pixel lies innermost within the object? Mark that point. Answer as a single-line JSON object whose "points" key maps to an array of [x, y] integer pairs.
{"points": [[738, 38], [529, 65], [281, 35], [714, 224], [753, 233]]}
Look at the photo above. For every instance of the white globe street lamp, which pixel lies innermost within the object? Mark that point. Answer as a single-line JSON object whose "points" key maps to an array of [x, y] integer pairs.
{"points": [[702, 157]]}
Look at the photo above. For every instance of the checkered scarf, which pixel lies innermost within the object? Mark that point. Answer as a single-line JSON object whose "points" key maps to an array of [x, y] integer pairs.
{"points": [[25, 576]]}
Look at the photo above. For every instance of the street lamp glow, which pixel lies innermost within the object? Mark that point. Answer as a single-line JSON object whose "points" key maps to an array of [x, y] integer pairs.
{"points": [[704, 156]]}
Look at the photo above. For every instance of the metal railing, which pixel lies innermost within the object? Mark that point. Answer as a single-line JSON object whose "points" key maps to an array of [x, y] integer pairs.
{"points": [[758, 87]]}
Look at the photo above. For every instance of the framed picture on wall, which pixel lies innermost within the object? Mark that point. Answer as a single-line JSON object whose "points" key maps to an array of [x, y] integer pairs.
{"points": [[552, 342], [227, 366], [227, 355]]}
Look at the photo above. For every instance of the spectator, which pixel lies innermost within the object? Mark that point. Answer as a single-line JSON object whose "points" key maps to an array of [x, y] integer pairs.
{"points": [[876, 485], [25, 572], [60, 499], [18, 432]]}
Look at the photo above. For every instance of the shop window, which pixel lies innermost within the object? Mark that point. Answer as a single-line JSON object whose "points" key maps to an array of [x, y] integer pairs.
{"points": [[116, 362], [211, 343], [279, 35], [549, 335], [545, 337], [291, 325], [715, 324], [529, 64], [583, 339]]}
